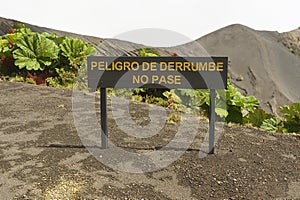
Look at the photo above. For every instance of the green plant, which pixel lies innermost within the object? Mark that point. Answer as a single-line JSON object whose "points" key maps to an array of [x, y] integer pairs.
{"points": [[150, 95], [291, 114], [136, 98], [173, 101], [42, 56], [235, 98], [174, 118], [4, 45], [289, 123], [232, 108], [237, 104], [76, 51], [148, 52], [7, 45], [35, 52], [17, 78], [30, 81], [203, 102], [257, 117], [274, 124], [73, 53], [64, 79]]}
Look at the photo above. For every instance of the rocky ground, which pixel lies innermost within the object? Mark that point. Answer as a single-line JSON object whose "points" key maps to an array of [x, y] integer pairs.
{"points": [[292, 41], [42, 157]]}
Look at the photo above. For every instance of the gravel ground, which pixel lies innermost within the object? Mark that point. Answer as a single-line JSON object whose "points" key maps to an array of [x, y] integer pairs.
{"points": [[42, 157]]}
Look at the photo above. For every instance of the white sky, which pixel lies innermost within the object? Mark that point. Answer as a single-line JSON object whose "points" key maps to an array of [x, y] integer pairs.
{"points": [[192, 18]]}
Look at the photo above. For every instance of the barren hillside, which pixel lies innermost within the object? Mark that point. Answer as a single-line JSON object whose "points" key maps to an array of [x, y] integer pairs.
{"points": [[260, 64]]}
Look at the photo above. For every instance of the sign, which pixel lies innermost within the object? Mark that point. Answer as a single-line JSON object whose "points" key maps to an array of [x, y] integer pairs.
{"points": [[157, 72]]}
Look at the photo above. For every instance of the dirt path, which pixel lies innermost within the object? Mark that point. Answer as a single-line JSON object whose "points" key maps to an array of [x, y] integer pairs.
{"points": [[42, 157]]}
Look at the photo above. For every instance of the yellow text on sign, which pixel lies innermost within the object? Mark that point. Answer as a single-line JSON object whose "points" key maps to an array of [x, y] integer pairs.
{"points": [[157, 79], [157, 66]]}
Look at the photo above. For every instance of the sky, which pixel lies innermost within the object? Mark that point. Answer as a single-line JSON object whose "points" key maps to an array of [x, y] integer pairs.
{"points": [[191, 18]]}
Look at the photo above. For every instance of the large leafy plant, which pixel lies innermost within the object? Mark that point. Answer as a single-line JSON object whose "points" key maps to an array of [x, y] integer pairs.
{"points": [[238, 104], [233, 108], [7, 46], [292, 117], [42, 56], [290, 122], [292, 113], [257, 117], [35, 52], [73, 53], [76, 51], [274, 124]]}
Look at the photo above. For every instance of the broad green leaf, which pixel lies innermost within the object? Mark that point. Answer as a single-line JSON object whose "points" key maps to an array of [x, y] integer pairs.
{"points": [[257, 117], [250, 103], [274, 124], [25, 62], [76, 51], [51, 36], [13, 37], [292, 113], [221, 112], [35, 52], [21, 28], [202, 97], [3, 45], [221, 107]]}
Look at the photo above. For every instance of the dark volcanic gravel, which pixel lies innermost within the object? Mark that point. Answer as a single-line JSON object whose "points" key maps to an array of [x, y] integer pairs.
{"points": [[42, 157]]}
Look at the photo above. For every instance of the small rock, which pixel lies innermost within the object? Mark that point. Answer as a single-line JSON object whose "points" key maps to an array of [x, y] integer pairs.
{"points": [[242, 160], [239, 78]]}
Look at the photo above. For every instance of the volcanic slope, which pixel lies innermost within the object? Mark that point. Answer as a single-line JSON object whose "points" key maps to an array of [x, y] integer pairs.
{"points": [[260, 64]]}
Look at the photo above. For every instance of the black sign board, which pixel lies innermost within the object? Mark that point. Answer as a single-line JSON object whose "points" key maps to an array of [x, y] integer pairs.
{"points": [[157, 72]]}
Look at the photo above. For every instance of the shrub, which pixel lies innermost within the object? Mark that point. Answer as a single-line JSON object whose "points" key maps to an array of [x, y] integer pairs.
{"points": [[292, 117], [35, 52], [42, 57]]}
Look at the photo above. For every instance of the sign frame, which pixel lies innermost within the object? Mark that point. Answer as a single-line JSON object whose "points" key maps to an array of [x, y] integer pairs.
{"points": [[103, 80]]}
